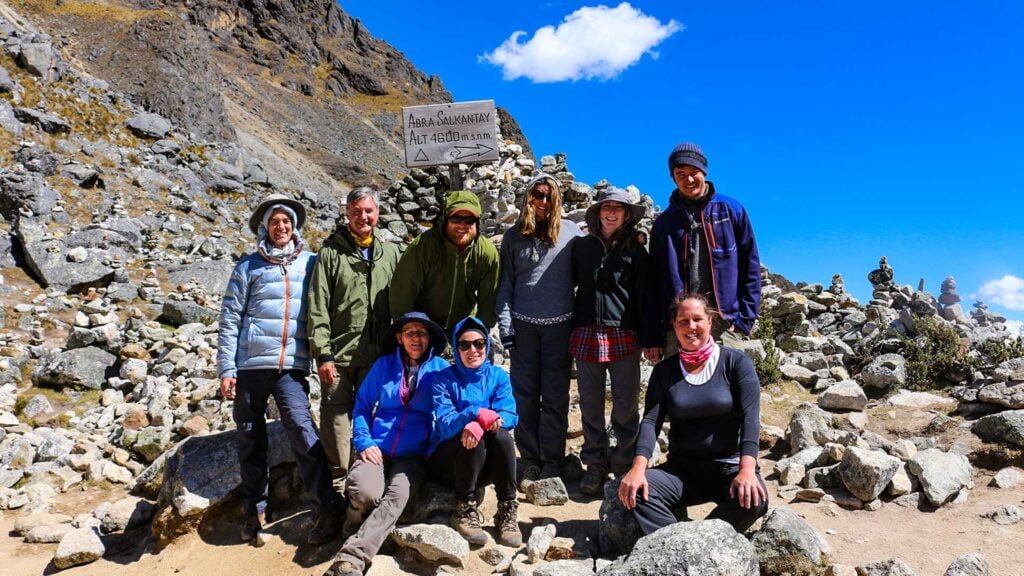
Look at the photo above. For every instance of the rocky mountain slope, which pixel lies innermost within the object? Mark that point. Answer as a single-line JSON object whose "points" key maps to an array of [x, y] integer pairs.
{"points": [[299, 85]]}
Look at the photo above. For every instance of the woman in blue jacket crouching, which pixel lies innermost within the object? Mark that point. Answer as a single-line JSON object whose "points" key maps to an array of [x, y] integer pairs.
{"points": [[391, 425], [474, 410]]}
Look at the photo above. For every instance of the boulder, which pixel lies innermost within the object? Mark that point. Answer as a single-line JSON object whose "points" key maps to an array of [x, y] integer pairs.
{"points": [[49, 123], [689, 549], [885, 568], [49, 534], [798, 373], [785, 539], [618, 530], [539, 542], [972, 564], [179, 312], [846, 395], [434, 542], [547, 492], [198, 474], [151, 442], [942, 474], [809, 426], [147, 125], [79, 368], [866, 473], [908, 399], [211, 275], [23, 190], [884, 372], [36, 58], [46, 259], [1008, 478], [1003, 394], [79, 546], [1005, 427], [127, 513], [565, 568], [1005, 515]]}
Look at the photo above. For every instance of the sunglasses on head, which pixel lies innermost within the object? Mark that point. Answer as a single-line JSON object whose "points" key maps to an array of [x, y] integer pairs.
{"points": [[459, 219], [479, 344]]}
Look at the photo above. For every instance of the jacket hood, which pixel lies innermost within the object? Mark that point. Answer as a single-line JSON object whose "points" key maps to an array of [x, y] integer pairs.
{"points": [[474, 323], [593, 215], [460, 200], [537, 179]]}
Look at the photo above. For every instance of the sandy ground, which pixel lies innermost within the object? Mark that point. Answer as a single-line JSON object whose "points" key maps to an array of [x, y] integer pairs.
{"points": [[926, 540]]}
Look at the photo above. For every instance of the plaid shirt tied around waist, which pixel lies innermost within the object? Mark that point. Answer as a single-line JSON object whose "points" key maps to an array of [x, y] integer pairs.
{"points": [[598, 343]]}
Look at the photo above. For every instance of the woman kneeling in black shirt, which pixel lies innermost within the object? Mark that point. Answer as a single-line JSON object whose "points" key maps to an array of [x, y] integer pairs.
{"points": [[711, 396]]}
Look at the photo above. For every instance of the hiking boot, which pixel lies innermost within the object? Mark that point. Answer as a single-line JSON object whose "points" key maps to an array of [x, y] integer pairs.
{"points": [[551, 470], [326, 527], [250, 527], [507, 524], [593, 480], [343, 568], [466, 520], [530, 475]]}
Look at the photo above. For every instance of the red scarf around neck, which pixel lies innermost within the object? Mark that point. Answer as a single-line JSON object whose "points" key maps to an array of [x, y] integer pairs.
{"points": [[694, 360]]}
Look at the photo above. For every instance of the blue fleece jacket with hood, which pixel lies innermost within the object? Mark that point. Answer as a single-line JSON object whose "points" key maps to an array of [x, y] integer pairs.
{"points": [[381, 418], [460, 392]]}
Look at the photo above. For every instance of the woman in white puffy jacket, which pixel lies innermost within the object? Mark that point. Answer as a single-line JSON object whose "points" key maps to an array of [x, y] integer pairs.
{"points": [[263, 351]]}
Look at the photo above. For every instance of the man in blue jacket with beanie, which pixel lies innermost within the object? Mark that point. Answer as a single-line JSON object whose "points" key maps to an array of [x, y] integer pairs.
{"points": [[702, 244]]}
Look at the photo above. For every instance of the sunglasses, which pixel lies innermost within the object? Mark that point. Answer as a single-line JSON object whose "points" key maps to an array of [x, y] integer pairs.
{"points": [[538, 195], [465, 345], [457, 219], [415, 333]]}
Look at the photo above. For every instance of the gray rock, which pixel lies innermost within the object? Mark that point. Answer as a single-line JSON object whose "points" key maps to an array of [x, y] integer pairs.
{"points": [[1005, 427], [211, 275], [972, 564], [23, 190], [689, 549], [37, 405], [49, 534], [8, 121], [539, 542], [149, 125], [908, 399], [127, 513], [199, 473], [1003, 394], [547, 492], [79, 368], [565, 568], [617, 527], [809, 426], [866, 473], [25, 524], [79, 546], [36, 58], [151, 442], [784, 534], [49, 123], [885, 568], [223, 177], [434, 542], [942, 474], [796, 372], [45, 258], [1005, 515], [884, 372], [1008, 477], [846, 395], [179, 312]]}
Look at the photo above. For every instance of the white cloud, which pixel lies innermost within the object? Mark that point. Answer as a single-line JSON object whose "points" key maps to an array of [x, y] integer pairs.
{"points": [[1007, 292], [592, 42]]}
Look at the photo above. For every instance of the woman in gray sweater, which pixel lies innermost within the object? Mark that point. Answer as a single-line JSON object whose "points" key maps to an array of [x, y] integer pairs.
{"points": [[535, 308]]}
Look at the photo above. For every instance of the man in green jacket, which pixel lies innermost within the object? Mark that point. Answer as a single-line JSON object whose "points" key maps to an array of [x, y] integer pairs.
{"points": [[348, 315], [449, 272]]}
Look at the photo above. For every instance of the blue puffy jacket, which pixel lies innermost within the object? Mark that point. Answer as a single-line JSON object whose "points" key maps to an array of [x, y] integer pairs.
{"points": [[381, 419], [735, 265], [263, 316], [460, 392]]}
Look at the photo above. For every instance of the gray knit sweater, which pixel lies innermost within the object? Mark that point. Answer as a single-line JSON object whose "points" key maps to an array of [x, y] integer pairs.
{"points": [[536, 278]]}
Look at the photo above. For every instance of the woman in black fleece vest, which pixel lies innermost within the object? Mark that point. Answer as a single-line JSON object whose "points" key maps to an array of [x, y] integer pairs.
{"points": [[711, 396]]}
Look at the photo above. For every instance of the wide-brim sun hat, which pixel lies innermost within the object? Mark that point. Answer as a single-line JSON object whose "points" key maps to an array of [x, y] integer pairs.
{"points": [[295, 205], [612, 194], [438, 339]]}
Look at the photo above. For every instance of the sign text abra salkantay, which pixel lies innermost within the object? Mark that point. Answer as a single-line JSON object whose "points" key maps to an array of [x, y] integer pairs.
{"points": [[460, 132]]}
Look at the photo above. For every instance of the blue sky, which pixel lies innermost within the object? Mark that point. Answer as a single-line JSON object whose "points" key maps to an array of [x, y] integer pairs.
{"points": [[848, 130]]}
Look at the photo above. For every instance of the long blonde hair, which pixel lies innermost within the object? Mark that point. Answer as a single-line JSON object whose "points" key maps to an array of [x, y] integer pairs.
{"points": [[527, 219]]}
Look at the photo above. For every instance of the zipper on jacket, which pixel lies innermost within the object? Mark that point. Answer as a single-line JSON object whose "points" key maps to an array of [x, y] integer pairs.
{"points": [[711, 261], [600, 268], [455, 277], [284, 327]]}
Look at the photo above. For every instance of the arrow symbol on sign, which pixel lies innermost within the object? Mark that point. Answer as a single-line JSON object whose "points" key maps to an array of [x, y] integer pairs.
{"points": [[480, 150]]}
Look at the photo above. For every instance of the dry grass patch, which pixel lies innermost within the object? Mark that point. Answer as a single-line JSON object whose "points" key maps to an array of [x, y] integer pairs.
{"points": [[91, 9]]}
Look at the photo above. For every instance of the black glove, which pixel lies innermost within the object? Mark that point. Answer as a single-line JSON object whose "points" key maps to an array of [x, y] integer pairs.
{"points": [[508, 342]]}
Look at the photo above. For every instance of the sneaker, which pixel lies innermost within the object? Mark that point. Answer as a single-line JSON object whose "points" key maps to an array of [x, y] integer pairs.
{"points": [[507, 524], [593, 480], [466, 520], [326, 527], [250, 527], [343, 568], [530, 475]]}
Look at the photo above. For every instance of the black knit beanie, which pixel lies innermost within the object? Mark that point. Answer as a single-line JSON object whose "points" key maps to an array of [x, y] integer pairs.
{"points": [[688, 154]]}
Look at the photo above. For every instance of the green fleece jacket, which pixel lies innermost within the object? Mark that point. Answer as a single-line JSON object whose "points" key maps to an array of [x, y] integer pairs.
{"points": [[435, 278], [348, 300]]}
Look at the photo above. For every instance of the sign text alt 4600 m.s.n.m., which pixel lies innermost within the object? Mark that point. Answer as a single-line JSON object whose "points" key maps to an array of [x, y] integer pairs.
{"points": [[460, 132]]}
